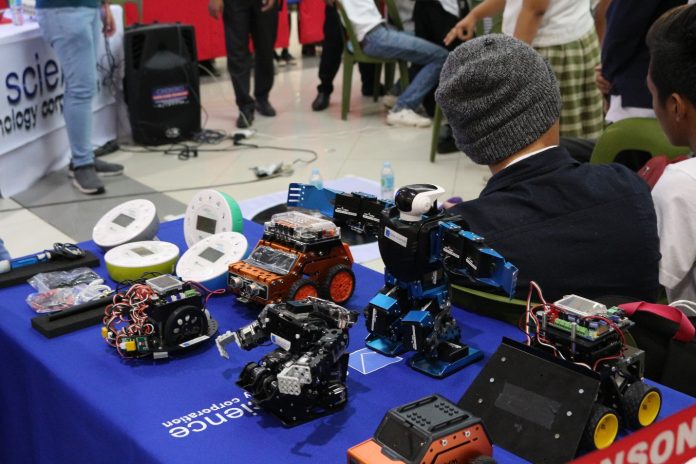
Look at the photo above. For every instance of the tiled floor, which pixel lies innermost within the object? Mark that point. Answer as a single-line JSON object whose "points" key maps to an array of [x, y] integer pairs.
{"points": [[54, 211]]}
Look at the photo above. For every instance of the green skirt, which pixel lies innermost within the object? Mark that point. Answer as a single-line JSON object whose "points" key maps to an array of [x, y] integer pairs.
{"points": [[582, 115]]}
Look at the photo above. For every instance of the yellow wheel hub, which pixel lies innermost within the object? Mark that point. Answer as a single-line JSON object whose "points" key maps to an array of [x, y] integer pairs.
{"points": [[606, 430], [649, 408]]}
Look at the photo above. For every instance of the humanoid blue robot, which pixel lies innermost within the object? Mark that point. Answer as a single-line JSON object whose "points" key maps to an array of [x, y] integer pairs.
{"points": [[421, 245]]}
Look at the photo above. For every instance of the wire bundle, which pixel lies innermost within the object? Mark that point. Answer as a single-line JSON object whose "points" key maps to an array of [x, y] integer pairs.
{"points": [[126, 317], [548, 308]]}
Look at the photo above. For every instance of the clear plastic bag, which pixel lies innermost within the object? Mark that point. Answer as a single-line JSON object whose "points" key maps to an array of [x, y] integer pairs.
{"points": [[52, 300], [59, 290], [51, 280]]}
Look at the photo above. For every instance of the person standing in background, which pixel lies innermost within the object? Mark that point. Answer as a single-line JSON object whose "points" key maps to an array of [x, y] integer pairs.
{"points": [[625, 57], [621, 75], [259, 19], [563, 32], [72, 28]]}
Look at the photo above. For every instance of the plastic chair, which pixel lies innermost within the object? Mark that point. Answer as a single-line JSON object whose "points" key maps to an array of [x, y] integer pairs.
{"points": [[137, 3], [490, 25], [358, 56], [644, 134], [437, 122]]}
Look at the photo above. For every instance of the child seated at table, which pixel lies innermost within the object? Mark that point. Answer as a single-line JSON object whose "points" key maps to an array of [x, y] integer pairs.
{"points": [[571, 227], [671, 78]]}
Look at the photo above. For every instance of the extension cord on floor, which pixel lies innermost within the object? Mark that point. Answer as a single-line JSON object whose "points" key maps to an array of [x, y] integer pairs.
{"points": [[273, 170], [242, 134]]}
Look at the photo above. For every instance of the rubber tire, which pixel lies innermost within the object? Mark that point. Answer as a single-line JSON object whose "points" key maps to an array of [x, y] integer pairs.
{"points": [[326, 286], [200, 327], [294, 288], [632, 400], [598, 412]]}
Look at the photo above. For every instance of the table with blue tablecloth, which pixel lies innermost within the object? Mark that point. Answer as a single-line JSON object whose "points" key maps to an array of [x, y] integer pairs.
{"points": [[73, 399]]}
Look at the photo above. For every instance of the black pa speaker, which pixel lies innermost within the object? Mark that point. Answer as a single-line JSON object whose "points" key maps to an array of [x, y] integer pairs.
{"points": [[161, 83]]}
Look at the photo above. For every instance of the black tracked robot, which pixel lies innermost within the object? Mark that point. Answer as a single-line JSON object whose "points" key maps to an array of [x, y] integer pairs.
{"points": [[573, 386], [305, 377]]}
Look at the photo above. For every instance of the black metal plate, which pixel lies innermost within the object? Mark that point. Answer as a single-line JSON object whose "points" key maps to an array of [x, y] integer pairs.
{"points": [[531, 405]]}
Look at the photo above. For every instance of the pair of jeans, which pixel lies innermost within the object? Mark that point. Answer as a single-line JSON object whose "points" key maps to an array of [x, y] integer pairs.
{"points": [[244, 18], [332, 53], [385, 42], [74, 33]]}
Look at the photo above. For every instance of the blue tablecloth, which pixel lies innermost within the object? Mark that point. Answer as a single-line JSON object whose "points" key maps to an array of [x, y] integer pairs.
{"points": [[72, 399]]}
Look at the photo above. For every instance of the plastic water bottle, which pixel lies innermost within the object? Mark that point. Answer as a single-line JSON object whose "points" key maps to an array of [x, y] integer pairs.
{"points": [[17, 12], [315, 179], [386, 180]]}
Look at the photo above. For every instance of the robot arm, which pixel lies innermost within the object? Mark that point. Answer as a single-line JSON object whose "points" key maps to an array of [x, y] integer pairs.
{"points": [[311, 197], [464, 252], [361, 212], [342, 318], [246, 338]]}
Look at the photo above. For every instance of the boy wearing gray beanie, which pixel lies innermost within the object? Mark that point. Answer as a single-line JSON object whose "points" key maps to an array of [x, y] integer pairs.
{"points": [[571, 227]]}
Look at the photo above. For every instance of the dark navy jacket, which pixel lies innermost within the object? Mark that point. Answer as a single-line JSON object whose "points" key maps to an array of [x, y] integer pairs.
{"points": [[570, 226], [625, 56]]}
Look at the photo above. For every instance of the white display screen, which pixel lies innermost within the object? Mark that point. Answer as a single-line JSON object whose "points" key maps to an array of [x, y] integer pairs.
{"points": [[211, 254], [142, 251], [123, 220], [205, 224]]}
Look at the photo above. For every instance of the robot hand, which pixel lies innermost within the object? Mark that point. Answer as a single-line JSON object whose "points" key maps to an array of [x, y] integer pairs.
{"points": [[415, 200], [246, 338], [225, 339]]}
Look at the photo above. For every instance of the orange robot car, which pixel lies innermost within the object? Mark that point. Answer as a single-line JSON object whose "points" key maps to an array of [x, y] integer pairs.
{"points": [[299, 256], [432, 430]]}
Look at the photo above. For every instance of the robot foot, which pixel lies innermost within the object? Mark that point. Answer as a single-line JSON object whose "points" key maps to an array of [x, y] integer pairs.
{"points": [[384, 345], [450, 358], [292, 411]]}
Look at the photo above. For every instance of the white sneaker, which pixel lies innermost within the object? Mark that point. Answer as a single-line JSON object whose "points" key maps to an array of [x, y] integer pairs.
{"points": [[407, 118], [389, 101]]}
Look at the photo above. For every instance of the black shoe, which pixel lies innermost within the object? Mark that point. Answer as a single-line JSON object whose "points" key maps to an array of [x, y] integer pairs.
{"points": [[309, 50], [209, 68], [106, 149], [246, 117], [445, 141], [265, 108], [369, 91], [321, 102], [287, 57], [279, 61]]}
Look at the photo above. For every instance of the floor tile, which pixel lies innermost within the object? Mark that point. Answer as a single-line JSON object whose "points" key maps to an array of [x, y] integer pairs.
{"points": [[24, 233]]}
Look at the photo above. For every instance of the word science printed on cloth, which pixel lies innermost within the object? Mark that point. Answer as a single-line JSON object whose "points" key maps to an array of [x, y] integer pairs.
{"points": [[32, 93]]}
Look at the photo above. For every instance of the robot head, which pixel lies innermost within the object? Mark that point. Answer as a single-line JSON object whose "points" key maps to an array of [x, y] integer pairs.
{"points": [[414, 200]]}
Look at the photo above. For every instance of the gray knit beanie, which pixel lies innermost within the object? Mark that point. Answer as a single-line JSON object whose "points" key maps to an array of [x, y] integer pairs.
{"points": [[499, 95]]}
